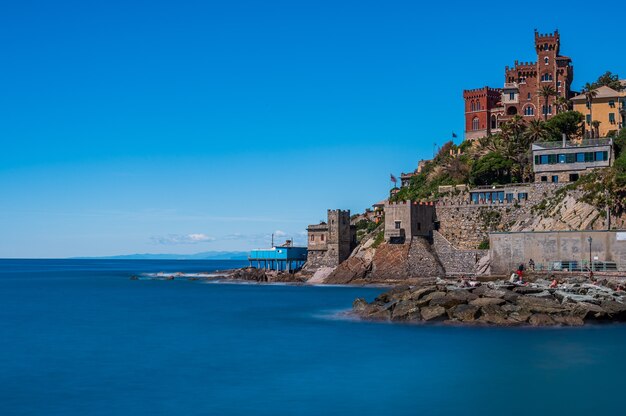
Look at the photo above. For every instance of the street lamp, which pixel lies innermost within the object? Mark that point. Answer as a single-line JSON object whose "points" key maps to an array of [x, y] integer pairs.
{"points": [[589, 239]]}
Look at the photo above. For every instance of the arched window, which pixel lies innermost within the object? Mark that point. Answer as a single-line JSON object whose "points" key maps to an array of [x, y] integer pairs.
{"points": [[511, 111], [546, 60], [472, 108], [477, 105], [529, 110], [494, 122], [529, 96], [475, 124]]}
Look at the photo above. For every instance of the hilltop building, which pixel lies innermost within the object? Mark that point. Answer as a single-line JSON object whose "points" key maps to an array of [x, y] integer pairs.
{"points": [[405, 220], [608, 107], [487, 108], [565, 161], [331, 242]]}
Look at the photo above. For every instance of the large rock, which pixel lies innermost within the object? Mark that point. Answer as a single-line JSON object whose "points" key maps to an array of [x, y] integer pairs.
{"points": [[494, 314], [464, 313], [433, 313], [359, 305], [406, 310], [540, 305], [487, 301], [354, 268], [541, 319]]}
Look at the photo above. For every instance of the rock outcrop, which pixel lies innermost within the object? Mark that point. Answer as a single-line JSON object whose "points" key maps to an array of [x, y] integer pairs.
{"points": [[497, 303]]}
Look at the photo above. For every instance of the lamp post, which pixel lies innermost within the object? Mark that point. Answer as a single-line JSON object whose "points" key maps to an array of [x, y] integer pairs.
{"points": [[589, 239]]}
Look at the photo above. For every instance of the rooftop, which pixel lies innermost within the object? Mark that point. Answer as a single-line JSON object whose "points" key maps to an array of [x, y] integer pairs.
{"points": [[602, 92], [571, 144]]}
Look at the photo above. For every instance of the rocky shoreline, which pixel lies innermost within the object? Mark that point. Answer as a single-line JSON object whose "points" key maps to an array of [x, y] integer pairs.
{"points": [[573, 302]]}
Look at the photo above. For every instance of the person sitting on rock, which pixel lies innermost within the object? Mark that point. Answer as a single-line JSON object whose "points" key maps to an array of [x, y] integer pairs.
{"points": [[554, 284]]}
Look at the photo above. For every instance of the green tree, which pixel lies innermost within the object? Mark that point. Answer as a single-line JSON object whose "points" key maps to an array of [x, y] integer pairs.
{"points": [[562, 104], [595, 124], [608, 79], [493, 168], [537, 131], [590, 93], [546, 92], [570, 122]]}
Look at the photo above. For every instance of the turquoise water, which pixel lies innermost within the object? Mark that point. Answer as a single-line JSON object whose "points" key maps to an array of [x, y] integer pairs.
{"points": [[80, 338]]}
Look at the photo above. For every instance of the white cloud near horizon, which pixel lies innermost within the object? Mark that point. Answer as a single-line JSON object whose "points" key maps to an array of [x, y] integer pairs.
{"points": [[174, 239]]}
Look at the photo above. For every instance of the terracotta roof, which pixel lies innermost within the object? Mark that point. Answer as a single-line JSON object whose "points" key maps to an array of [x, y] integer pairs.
{"points": [[603, 92]]}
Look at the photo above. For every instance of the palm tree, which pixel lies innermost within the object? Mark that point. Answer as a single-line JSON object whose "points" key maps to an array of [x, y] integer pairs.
{"points": [[590, 93], [562, 104], [546, 92], [537, 131], [596, 127]]}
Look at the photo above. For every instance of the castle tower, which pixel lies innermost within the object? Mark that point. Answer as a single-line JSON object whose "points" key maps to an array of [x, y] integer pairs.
{"points": [[340, 237]]}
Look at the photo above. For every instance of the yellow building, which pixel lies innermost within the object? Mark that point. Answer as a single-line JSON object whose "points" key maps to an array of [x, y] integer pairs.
{"points": [[608, 107]]}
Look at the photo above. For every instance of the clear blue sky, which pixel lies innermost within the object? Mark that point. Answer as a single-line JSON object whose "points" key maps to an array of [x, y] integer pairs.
{"points": [[185, 126]]}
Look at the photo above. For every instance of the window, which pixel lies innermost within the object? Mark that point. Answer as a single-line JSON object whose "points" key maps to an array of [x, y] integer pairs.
{"points": [[612, 103], [494, 122], [322, 237], [544, 179], [529, 96], [580, 157], [544, 160], [477, 105], [588, 118], [472, 106], [509, 198], [474, 198], [546, 109], [546, 77], [555, 178], [522, 196], [312, 237], [573, 177], [558, 84], [589, 157], [529, 110], [561, 158], [475, 124], [570, 158], [546, 60], [398, 224], [511, 96], [601, 156], [612, 118]]}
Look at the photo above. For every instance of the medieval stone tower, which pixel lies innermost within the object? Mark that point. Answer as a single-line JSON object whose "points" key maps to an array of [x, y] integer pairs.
{"points": [[339, 235], [331, 242]]}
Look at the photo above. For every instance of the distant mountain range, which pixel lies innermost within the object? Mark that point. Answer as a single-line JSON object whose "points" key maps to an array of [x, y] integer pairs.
{"points": [[206, 255]]}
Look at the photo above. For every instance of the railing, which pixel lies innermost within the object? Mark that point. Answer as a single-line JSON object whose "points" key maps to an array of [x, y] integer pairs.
{"points": [[577, 266], [569, 143]]}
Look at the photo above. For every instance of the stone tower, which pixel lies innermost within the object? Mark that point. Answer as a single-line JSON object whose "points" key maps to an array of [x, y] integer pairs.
{"points": [[339, 235]]}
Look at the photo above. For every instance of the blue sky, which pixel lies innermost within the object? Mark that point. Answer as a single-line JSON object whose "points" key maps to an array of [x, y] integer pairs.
{"points": [[186, 126]]}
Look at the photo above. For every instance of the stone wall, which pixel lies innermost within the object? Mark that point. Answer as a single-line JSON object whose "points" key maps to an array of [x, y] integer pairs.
{"points": [[466, 225], [508, 250], [456, 262], [415, 219]]}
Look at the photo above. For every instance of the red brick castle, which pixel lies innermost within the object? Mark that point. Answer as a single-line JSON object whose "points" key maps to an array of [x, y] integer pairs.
{"points": [[486, 108]]}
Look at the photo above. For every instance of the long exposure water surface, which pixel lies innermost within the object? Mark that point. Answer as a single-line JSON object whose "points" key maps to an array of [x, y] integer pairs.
{"points": [[78, 337]]}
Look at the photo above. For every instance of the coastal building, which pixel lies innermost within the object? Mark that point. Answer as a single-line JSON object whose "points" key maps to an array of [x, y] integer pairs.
{"points": [[487, 108], [379, 211], [565, 161], [407, 219], [281, 258], [558, 250], [331, 242], [607, 107]]}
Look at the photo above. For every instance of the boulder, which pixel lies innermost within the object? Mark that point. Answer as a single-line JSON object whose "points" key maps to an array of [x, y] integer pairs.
{"points": [[464, 313], [540, 305], [419, 292], [494, 314], [568, 320], [448, 301], [405, 310], [433, 313], [487, 301], [541, 319], [585, 311], [527, 290], [359, 305], [616, 310]]}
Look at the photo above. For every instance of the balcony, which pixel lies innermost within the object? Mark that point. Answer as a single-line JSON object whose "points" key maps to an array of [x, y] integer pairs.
{"points": [[571, 144]]}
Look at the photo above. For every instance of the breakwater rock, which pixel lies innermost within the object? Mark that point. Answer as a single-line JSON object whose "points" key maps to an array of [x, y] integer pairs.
{"points": [[497, 303]]}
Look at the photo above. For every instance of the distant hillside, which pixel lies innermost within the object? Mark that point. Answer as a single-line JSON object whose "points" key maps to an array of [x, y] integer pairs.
{"points": [[206, 255]]}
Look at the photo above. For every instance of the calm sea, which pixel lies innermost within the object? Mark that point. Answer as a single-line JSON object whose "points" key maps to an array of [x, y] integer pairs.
{"points": [[77, 337]]}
